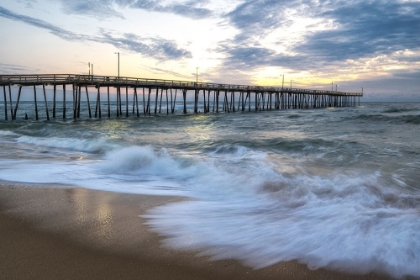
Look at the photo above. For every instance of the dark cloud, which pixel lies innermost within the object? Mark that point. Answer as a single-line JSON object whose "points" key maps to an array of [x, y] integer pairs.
{"points": [[362, 29], [248, 58], [105, 8], [404, 74], [28, 3], [255, 16], [188, 10], [366, 28], [157, 48], [96, 8]]}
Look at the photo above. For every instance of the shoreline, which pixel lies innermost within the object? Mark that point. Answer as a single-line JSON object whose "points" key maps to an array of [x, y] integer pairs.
{"points": [[75, 233]]}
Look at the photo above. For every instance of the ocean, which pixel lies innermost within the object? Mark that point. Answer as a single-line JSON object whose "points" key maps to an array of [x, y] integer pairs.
{"points": [[335, 188]]}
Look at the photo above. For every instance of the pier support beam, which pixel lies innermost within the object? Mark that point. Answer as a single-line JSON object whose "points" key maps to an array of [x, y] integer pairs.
{"points": [[126, 101], [17, 103], [54, 100], [5, 103], [46, 104], [11, 103], [88, 102], [36, 104], [184, 95], [109, 103], [64, 101], [74, 101]]}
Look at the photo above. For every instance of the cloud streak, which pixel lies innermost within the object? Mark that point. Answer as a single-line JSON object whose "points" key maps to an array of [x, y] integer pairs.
{"points": [[157, 48], [105, 8], [57, 31], [12, 68]]}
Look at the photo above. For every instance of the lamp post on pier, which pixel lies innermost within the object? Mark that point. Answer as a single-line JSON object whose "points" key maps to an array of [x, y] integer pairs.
{"points": [[117, 53], [89, 67]]}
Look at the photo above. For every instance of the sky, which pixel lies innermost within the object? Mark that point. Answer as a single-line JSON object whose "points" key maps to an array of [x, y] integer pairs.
{"points": [[318, 44]]}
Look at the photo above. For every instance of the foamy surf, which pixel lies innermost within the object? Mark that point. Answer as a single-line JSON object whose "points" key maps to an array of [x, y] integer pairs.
{"points": [[339, 192], [351, 224]]}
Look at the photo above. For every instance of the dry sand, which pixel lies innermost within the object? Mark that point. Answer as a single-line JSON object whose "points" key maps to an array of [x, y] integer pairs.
{"points": [[73, 233]]}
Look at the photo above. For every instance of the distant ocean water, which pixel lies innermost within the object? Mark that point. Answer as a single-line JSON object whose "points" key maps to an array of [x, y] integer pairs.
{"points": [[336, 188]]}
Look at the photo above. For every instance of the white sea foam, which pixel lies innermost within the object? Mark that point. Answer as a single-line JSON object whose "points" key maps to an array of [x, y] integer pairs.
{"points": [[337, 222]]}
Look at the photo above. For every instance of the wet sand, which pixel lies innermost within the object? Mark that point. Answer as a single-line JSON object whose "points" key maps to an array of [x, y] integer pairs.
{"points": [[73, 233]]}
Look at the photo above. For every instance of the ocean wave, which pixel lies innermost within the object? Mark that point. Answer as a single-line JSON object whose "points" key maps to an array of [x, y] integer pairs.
{"points": [[400, 110], [373, 117], [135, 159], [84, 145], [8, 133], [397, 119], [257, 147], [230, 150], [199, 172], [412, 119], [300, 145]]}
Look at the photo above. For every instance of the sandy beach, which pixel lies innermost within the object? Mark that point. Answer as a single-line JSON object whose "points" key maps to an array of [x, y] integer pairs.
{"points": [[74, 233]]}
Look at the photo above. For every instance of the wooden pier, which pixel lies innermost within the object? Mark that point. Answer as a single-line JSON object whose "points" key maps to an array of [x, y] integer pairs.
{"points": [[154, 92]]}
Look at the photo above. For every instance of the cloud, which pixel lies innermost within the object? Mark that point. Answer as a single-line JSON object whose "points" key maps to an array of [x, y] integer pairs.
{"points": [[343, 30], [57, 31], [251, 57], [366, 28], [10, 68], [157, 48], [97, 8], [105, 8], [257, 15], [173, 73], [409, 75], [28, 3]]}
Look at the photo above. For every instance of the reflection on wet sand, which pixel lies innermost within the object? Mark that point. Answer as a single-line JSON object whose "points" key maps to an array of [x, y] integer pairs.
{"points": [[98, 214]]}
